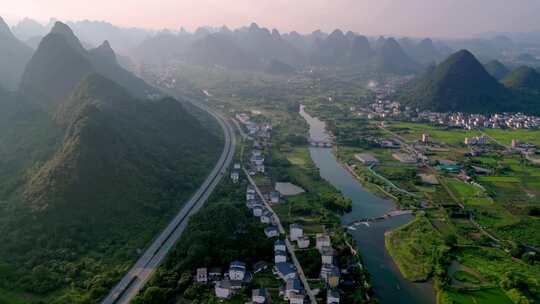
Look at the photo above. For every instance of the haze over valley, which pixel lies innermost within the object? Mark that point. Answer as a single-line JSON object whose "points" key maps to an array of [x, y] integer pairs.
{"points": [[364, 152]]}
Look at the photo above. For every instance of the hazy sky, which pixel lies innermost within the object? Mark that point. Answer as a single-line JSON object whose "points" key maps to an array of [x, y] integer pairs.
{"points": [[455, 18]]}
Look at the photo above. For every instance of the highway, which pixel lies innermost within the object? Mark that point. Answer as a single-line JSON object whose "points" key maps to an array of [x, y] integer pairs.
{"points": [[149, 261]]}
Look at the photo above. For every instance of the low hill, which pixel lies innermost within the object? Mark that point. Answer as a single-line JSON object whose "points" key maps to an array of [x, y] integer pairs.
{"points": [[14, 55], [460, 83], [523, 78], [496, 69]]}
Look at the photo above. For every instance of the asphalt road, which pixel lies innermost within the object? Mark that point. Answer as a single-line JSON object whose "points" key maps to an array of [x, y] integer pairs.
{"points": [[288, 244], [142, 270]]}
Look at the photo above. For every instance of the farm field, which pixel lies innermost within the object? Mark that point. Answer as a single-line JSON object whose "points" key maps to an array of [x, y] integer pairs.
{"points": [[477, 296], [414, 131], [506, 136]]}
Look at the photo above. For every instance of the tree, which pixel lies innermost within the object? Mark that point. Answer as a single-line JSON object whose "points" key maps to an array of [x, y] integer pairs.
{"points": [[154, 295], [450, 240]]}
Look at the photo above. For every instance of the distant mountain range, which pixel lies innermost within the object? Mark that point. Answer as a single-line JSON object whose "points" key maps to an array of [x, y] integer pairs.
{"points": [[254, 47], [91, 33], [14, 55], [461, 83]]}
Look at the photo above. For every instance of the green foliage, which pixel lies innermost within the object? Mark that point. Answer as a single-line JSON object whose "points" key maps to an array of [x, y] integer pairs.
{"points": [[462, 84], [221, 232], [523, 78], [311, 262], [112, 168], [417, 249]]}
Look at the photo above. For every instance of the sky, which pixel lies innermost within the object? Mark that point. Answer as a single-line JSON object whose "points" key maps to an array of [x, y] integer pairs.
{"points": [[419, 18]]}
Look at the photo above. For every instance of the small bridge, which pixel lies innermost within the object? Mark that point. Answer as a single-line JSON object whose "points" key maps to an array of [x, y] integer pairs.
{"points": [[321, 143], [378, 219]]}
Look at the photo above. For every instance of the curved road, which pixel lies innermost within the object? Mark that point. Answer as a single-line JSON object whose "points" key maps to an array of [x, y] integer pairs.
{"points": [[150, 260]]}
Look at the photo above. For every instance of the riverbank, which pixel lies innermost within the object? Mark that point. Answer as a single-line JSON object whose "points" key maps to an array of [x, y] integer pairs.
{"points": [[389, 284]]}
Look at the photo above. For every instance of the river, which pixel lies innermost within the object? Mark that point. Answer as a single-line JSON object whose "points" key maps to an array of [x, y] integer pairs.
{"points": [[390, 286]]}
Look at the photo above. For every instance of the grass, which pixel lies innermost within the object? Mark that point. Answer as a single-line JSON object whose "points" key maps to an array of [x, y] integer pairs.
{"points": [[476, 296], [504, 179], [466, 277], [463, 191], [414, 131], [506, 136], [412, 247], [494, 264]]}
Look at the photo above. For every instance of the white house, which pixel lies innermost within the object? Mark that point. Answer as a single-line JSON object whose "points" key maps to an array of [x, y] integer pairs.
{"points": [[266, 217], [235, 176], [251, 204], [327, 255], [303, 242], [259, 168], [237, 271], [214, 274], [295, 231], [223, 289], [296, 298], [326, 269], [332, 296], [285, 271], [271, 232], [293, 286], [322, 240], [275, 196], [250, 194], [257, 211], [280, 257], [237, 166], [280, 245], [202, 275], [259, 296]]}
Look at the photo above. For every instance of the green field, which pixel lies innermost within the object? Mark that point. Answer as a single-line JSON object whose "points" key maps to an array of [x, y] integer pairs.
{"points": [[412, 247], [506, 136], [414, 131], [504, 179], [466, 277], [480, 296], [495, 265]]}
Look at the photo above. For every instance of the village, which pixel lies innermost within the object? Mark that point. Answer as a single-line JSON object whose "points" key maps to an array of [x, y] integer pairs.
{"points": [[285, 266], [384, 107]]}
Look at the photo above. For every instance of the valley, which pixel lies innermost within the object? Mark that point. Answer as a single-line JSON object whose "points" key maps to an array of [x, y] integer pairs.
{"points": [[250, 164]]}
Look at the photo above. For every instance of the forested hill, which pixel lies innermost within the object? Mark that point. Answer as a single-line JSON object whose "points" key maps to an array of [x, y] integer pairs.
{"points": [[461, 83], [60, 62], [88, 175], [523, 78]]}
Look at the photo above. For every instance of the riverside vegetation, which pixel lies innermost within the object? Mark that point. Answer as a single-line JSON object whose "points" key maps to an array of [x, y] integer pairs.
{"points": [[504, 205]]}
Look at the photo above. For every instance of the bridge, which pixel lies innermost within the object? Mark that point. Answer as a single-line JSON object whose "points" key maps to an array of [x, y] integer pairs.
{"points": [[321, 143], [379, 218]]}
